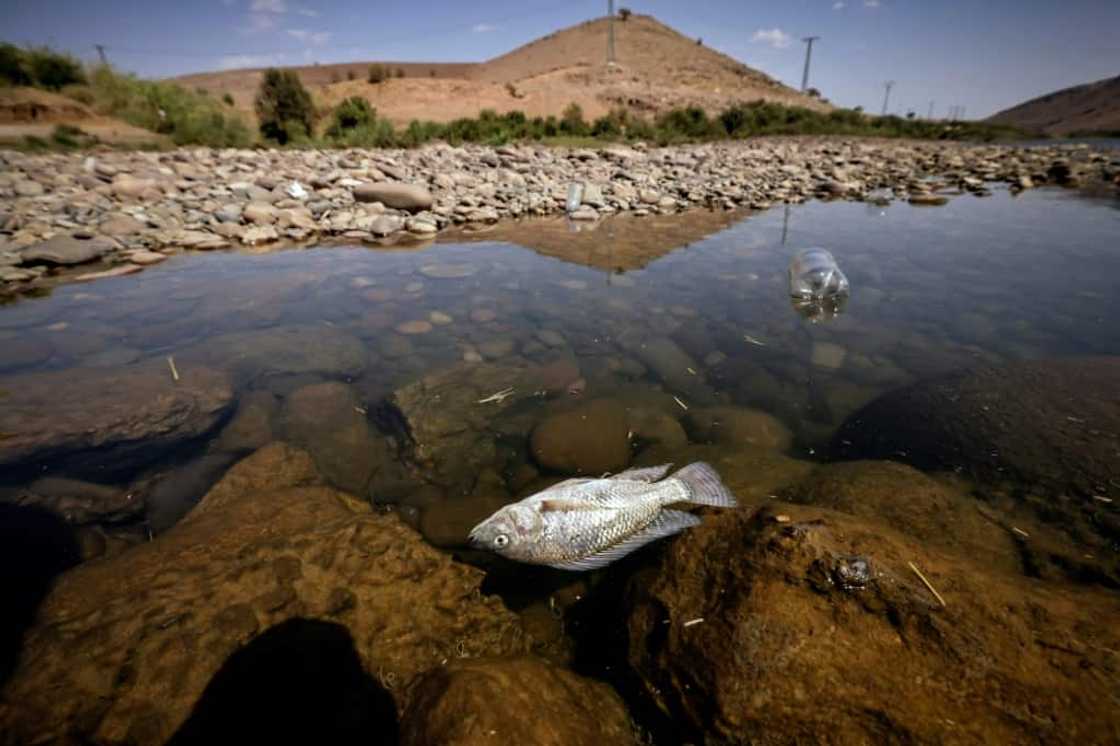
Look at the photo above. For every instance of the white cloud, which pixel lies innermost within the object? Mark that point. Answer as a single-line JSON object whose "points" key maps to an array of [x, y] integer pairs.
{"points": [[871, 3], [259, 22], [234, 61], [774, 37], [308, 12], [316, 38], [483, 28], [839, 5], [268, 6]]}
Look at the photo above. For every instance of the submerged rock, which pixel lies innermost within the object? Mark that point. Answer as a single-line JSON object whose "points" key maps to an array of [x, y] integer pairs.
{"points": [[1052, 426], [328, 420], [810, 626], [123, 648], [78, 502], [515, 701], [65, 250], [107, 419], [590, 440], [738, 426], [283, 351]]}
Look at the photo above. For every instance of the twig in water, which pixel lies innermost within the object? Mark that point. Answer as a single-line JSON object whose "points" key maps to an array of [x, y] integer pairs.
{"points": [[754, 341], [683, 405], [497, 397], [928, 585], [1021, 532], [174, 371], [691, 622]]}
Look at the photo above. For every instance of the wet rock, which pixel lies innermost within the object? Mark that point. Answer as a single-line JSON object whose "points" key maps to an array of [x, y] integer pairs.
{"points": [[677, 370], [65, 250], [146, 258], [400, 196], [472, 702], [329, 421], [782, 648], [912, 503], [107, 419], [416, 326], [252, 426], [925, 199], [444, 429], [175, 491], [828, 355], [591, 439], [119, 271], [738, 426], [654, 426], [448, 271], [78, 502], [292, 350], [124, 647], [1052, 426]]}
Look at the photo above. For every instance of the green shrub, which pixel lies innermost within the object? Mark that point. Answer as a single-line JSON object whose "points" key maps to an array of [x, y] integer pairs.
{"points": [[53, 70], [690, 123], [13, 66], [377, 74], [284, 107], [352, 113], [189, 119], [571, 121], [227, 99]]}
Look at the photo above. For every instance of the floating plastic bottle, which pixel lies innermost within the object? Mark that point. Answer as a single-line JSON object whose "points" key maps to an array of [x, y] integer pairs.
{"points": [[814, 275], [575, 196]]}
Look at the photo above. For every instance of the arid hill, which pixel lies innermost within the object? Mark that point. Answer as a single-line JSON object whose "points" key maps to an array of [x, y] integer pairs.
{"points": [[656, 69], [1093, 107], [33, 112]]}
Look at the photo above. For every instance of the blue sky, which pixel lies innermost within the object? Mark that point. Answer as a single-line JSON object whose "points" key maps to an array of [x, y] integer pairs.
{"points": [[980, 54]]}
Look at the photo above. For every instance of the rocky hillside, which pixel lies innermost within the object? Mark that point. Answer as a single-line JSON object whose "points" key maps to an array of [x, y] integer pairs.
{"points": [[656, 68], [1093, 107]]}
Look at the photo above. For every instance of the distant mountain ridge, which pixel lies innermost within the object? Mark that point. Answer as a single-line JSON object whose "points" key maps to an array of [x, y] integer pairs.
{"points": [[1092, 107], [657, 68]]}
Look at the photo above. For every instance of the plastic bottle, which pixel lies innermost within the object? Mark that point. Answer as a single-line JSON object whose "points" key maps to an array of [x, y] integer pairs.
{"points": [[575, 196], [814, 274]]}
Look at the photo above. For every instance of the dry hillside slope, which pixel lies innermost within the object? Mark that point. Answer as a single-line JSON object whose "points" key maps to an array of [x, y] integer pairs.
{"points": [[657, 69], [1093, 107]]}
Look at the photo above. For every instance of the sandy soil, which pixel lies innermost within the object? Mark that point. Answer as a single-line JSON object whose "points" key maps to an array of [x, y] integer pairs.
{"points": [[30, 112]]}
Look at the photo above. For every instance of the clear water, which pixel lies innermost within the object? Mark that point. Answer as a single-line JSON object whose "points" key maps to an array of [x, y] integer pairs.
{"points": [[932, 290]]}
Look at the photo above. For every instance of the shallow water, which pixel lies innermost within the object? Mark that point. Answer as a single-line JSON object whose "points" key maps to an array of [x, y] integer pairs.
{"points": [[933, 290]]}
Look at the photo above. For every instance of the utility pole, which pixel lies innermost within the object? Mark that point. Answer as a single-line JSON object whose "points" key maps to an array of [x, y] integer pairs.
{"points": [[101, 53], [962, 113], [610, 32], [808, 56], [930, 115], [886, 96]]}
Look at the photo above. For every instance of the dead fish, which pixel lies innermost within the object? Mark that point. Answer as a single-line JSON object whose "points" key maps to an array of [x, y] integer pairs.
{"points": [[583, 524]]}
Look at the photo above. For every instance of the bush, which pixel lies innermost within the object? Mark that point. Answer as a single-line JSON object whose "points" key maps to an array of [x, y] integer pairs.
{"points": [[400, 72], [377, 74], [350, 75], [284, 107], [40, 67], [227, 99], [13, 66], [571, 121], [189, 119], [352, 113], [690, 123]]}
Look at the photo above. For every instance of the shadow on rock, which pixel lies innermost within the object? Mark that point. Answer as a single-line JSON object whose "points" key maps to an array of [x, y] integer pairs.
{"points": [[300, 682], [35, 546]]}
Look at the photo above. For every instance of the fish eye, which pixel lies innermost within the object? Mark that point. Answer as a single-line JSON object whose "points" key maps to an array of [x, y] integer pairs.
{"points": [[501, 540]]}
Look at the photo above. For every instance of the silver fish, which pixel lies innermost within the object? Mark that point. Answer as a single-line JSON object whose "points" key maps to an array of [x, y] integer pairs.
{"points": [[583, 524]]}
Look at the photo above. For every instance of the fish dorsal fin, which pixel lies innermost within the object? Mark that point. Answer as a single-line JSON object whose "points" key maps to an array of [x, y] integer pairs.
{"points": [[647, 474], [562, 505], [667, 523]]}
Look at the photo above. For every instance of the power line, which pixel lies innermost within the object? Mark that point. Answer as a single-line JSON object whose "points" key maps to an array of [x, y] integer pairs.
{"points": [[101, 53], [808, 56], [886, 96]]}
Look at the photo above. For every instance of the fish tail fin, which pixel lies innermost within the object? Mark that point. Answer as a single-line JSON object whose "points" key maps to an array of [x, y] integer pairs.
{"points": [[705, 486]]}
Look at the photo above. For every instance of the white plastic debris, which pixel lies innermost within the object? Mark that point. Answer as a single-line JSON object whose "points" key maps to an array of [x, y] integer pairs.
{"points": [[295, 190]]}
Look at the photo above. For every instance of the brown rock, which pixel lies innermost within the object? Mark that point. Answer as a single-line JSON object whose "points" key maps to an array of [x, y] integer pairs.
{"points": [[738, 426], [592, 439], [401, 196], [123, 648], [65, 250], [107, 418], [120, 225], [515, 701], [813, 628]]}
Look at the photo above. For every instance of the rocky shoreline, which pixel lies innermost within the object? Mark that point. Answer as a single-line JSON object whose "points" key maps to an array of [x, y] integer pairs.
{"points": [[86, 216]]}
